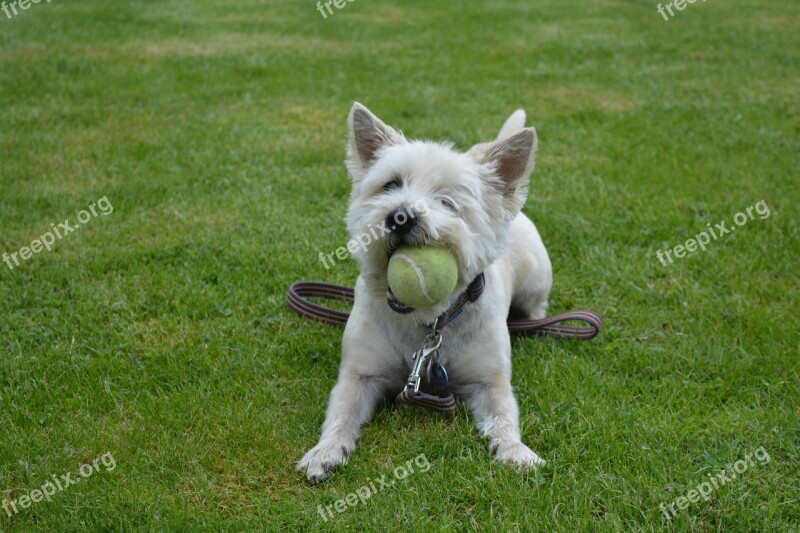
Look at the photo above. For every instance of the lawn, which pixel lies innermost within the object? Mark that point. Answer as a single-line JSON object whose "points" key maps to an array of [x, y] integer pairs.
{"points": [[155, 337]]}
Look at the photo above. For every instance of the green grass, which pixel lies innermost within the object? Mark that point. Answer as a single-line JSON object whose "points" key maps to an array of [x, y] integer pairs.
{"points": [[216, 130]]}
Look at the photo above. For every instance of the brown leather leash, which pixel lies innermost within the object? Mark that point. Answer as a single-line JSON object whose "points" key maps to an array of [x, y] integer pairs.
{"points": [[551, 326]]}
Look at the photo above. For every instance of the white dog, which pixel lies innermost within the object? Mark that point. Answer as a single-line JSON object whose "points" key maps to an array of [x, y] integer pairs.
{"points": [[472, 205]]}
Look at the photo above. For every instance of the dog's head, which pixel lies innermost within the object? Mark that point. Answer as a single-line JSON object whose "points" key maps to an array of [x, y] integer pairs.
{"points": [[427, 193]]}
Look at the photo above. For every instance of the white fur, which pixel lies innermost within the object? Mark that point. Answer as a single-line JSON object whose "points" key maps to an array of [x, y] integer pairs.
{"points": [[486, 232]]}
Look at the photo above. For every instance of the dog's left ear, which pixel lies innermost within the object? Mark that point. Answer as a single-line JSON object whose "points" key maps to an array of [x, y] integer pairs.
{"points": [[512, 160], [368, 134]]}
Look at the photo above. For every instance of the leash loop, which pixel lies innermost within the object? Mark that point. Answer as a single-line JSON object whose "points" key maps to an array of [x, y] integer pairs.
{"points": [[439, 404]]}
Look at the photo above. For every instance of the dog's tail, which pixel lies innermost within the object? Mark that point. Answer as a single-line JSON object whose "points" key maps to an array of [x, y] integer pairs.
{"points": [[513, 124]]}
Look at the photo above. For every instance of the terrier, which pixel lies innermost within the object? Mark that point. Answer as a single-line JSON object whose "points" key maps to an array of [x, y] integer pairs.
{"points": [[472, 207]]}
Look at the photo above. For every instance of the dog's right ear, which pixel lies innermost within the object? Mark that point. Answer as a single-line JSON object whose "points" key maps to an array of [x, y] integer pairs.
{"points": [[368, 134], [511, 160]]}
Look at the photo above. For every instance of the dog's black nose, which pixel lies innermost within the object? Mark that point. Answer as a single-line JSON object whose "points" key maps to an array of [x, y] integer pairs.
{"points": [[400, 221]]}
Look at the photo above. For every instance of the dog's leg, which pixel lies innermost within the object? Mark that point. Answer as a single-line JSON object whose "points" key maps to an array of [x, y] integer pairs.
{"points": [[496, 414], [351, 404]]}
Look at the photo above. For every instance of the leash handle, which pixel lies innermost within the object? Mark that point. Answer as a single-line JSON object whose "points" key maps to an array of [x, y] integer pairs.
{"points": [[300, 305], [552, 326]]}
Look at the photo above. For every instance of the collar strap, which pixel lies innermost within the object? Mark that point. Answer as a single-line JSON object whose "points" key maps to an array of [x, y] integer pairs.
{"points": [[470, 294], [396, 305]]}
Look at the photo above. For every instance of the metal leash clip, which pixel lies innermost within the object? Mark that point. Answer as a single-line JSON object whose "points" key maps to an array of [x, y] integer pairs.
{"points": [[420, 357], [411, 395]]}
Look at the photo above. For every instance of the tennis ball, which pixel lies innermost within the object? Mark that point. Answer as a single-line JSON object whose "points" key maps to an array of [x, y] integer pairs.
{"points": [[422, 277]]}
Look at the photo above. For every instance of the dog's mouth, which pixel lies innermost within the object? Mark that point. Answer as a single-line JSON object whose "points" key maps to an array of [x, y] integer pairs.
{"points": [[416, 237]]}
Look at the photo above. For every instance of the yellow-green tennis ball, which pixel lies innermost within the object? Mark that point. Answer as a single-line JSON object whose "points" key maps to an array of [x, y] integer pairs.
{"points": [[422, 277]]}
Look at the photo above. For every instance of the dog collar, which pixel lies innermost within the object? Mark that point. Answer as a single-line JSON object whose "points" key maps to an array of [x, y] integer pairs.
{"points": [[470, 294]]}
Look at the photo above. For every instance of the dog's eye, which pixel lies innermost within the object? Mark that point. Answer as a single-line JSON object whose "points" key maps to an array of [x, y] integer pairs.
{"points": [[394, 184], [449, 204]]}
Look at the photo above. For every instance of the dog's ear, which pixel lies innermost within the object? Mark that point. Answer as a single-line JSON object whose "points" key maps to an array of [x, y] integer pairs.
{"points": [[512, 125], [512, 160], [368, 134]]}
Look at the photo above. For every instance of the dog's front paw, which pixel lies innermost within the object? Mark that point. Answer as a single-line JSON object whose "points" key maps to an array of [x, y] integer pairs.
{"points": [[518, 455], [321, 460]]}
